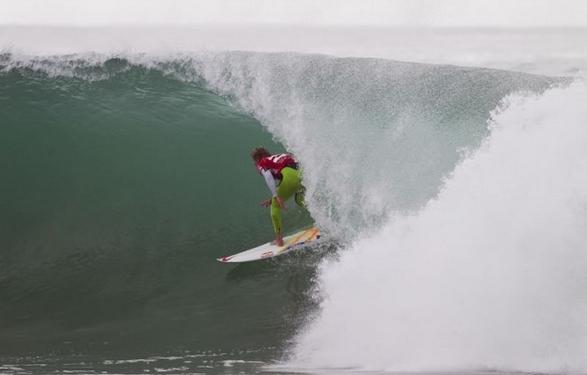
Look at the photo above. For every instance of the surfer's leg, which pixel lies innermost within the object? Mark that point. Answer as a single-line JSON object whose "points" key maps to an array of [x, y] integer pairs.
{"points": [[276, 216], [300, 193], [276, 220], [289, 185]]}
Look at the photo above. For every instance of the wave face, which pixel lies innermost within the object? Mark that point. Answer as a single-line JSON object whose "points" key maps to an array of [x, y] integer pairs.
{"points": [[125, 176], [121, 186]]}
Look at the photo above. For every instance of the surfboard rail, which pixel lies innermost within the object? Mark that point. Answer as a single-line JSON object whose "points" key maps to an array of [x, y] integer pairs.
{"points": [[292, 242]]}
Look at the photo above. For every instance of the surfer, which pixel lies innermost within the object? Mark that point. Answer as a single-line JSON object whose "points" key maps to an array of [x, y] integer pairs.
{"points": [[282, 175]]}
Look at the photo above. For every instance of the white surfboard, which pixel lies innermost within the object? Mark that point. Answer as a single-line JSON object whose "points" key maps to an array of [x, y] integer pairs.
{"points": [[295, 241]]}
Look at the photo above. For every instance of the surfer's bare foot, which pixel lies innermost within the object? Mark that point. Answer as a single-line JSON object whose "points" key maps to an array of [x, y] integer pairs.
{"points": [[278, 240]]}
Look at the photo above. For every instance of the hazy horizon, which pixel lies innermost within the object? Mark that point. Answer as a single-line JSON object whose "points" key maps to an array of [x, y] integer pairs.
{"points": [[378, 13]]}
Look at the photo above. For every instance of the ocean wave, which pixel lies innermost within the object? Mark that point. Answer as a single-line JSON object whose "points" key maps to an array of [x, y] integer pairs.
{"points": [[128, 173]]}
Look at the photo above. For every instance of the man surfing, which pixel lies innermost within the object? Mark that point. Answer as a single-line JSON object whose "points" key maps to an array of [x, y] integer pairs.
{"points": [[282, 175]]}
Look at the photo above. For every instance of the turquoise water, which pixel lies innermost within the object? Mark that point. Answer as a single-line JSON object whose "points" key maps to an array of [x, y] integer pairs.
{"points": [[125, 177], [118, 195]]}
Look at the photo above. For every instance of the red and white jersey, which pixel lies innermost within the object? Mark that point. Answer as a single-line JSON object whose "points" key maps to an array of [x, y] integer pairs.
{"points": [[275, 163]]}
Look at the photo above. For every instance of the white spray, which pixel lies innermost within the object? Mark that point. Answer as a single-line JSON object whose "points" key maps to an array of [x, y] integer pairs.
{"points": [[492, 274]]}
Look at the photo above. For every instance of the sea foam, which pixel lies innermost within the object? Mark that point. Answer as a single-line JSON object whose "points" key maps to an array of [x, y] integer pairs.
{"points": [[488, 275]]}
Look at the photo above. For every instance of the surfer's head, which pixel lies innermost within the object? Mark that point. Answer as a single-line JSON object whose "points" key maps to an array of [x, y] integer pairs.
{"points": [[259, 152]]}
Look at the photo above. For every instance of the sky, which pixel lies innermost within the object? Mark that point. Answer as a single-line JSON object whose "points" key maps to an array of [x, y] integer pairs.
{"points": [[379, 13]]}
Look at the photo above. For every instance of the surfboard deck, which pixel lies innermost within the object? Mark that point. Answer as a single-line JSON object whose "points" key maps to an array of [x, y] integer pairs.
{"points": [[292, 242]]}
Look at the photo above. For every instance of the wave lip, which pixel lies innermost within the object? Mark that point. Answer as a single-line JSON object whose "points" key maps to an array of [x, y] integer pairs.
{"points": [[550, 51]]}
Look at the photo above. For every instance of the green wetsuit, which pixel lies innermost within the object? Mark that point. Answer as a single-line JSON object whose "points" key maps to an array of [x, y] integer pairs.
{"points": [[291, 183]]}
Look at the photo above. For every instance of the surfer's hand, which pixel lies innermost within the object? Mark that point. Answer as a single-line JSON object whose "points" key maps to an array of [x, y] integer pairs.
{"points": [[280, 202]]}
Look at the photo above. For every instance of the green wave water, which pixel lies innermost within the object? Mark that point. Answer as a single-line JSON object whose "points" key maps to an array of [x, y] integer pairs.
{"points": [[117, 197], [124, 178]]}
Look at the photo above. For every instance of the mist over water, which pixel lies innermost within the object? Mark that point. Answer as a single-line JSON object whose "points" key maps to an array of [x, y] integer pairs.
{"points": [[553, 52]]}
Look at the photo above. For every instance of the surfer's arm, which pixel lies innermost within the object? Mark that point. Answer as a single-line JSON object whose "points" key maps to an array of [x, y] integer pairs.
{"points": [[270, 181], [272, 185]]}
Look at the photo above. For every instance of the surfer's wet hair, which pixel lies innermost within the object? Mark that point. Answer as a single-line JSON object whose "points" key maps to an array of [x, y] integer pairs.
{"points": [[259, 152]]}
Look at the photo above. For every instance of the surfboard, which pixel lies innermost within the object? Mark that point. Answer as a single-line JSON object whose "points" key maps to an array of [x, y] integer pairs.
{"points": [[296, 241]]}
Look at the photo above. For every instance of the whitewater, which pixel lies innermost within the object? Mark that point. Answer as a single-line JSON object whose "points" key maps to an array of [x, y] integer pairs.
{"points": [[449, 165], [489, 275]]}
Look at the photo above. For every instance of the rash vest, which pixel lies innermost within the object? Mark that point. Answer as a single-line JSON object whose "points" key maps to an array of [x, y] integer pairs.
{"points": [[275, 163], [270, 168]]}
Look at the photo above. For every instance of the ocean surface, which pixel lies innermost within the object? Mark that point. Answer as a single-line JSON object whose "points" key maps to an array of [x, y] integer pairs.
{"points": [[453, 187]]}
